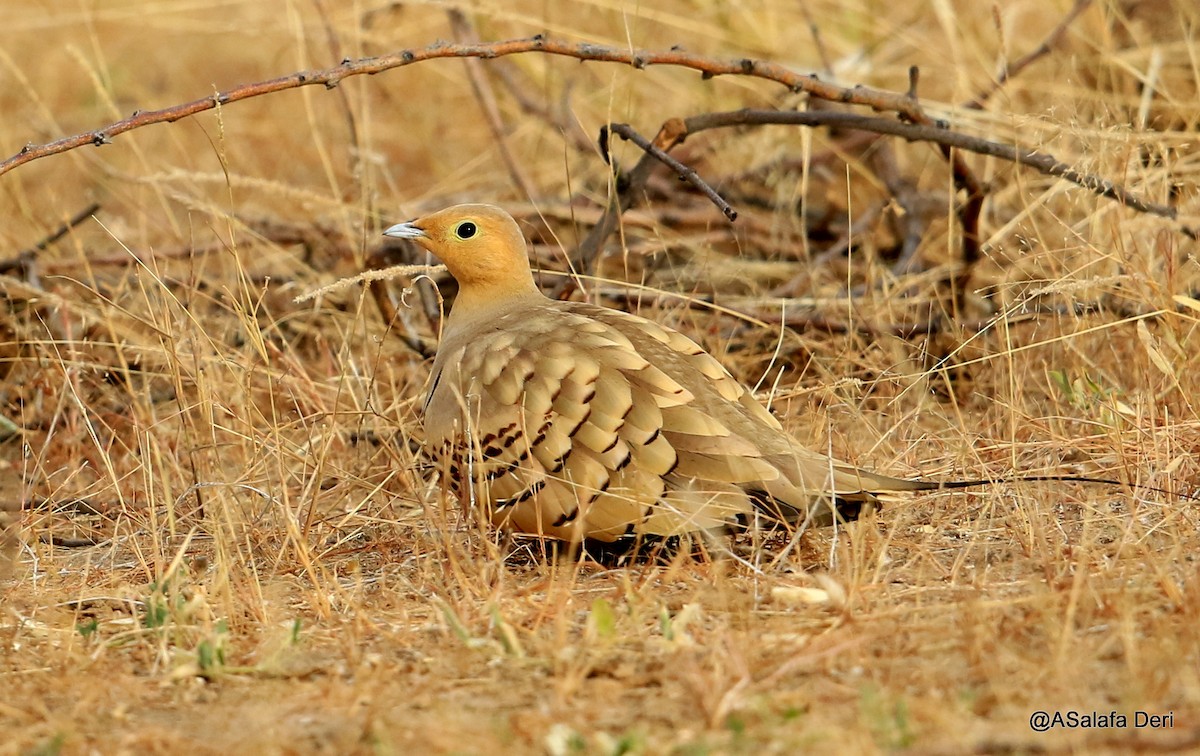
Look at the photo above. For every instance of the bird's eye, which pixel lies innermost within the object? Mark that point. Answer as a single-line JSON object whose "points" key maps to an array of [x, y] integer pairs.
{"points": [[465, 230]]}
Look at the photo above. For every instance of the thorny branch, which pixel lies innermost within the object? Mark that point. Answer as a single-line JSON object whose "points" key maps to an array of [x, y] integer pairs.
{"points": [[937, 134], [912, 124], [708, 67], [676, 130]]}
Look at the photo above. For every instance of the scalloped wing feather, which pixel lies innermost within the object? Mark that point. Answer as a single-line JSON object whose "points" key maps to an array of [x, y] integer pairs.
{"points": [[573, 421]]}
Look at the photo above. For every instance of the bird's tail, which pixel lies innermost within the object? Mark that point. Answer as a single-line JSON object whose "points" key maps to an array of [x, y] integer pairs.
{"points": [[857, 492]]}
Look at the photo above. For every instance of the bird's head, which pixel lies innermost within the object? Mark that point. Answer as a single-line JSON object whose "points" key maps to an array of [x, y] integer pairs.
{"points": [[481, 246]]}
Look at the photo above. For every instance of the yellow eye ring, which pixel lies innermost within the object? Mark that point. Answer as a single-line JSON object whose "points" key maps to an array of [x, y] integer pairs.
{"points": [[465, 230]]}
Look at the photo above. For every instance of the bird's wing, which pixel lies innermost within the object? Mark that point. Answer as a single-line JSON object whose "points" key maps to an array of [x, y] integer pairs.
{"points": [[806, 474], [573, 421]]}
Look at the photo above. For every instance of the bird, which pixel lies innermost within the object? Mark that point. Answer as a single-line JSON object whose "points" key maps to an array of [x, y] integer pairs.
{"points": [[578, 422]]}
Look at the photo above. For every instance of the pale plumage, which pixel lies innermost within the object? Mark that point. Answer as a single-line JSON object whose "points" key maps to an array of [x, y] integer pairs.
{"points": [[575, 421]]}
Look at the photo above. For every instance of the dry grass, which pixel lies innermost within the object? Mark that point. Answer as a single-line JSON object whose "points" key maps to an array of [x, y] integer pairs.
{"points": [[271, 572]]}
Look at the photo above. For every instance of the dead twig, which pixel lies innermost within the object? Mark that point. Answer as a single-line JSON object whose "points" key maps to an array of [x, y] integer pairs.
{"points": [[629, 187], [20, 262], [625, 131], [391, 317], [808, 320], [1048, 44], [972, 206], [63, 542], [487, 103], [385, 257], [569, 128], [335, 48]]}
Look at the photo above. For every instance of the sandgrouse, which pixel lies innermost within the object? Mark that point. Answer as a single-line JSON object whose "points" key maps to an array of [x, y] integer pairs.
{"points": [[575, 421]]}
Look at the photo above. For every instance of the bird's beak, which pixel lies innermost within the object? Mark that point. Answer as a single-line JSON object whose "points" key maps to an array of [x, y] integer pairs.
{"points": [[405, 231]]}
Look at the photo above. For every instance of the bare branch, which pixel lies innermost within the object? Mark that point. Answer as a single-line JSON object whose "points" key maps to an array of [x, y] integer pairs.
{"points": [[708, 67], [629, 185], [940, 135], [674, 131], [625, 131]]}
